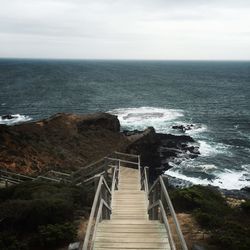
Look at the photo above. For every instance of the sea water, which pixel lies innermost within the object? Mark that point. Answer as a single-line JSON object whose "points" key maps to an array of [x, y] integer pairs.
{"points": [[212, 96]]}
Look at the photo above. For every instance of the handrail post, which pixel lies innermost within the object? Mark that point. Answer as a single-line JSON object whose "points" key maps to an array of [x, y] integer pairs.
{"points": [[146, 178], [91, 217], [165, 220], [139, 167], [119, 168], [178, 229], [154, 215], [105, 197]]}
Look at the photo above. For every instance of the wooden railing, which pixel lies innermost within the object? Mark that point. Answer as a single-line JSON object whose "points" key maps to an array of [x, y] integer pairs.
{"points": [[102, 206], [79, 177], [128, 160], [13, 178], [52, 176], [105, 202], [160, 208]]}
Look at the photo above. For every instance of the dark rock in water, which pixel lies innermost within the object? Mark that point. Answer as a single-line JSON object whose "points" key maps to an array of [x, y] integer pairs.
{"points": [[134, 132], [237, 194], [246, 189], [183, 128], [7, 117], [177, 183], [157, 149]]}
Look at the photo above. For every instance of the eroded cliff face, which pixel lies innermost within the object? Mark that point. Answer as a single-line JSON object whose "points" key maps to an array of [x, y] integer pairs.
{"points": [[66, 142], [62, 142], [157, 150]]}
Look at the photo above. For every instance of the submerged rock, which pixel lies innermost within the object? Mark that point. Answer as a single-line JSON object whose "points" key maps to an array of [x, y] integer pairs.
{"points": [[7, 117]]}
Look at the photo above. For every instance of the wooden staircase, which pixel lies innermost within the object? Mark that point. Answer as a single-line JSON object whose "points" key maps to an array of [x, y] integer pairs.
{"points": [[129, 227], [129, 214]]}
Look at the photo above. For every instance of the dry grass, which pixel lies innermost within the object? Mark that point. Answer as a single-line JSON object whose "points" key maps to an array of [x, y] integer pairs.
{"points": [[192, 232]]}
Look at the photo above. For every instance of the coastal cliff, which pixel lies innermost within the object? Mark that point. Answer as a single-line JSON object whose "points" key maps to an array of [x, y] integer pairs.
{"points": [[62, 142], [66, 142]]}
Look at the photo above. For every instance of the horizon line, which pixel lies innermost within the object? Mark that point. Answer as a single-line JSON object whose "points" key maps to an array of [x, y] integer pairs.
{"points": [[120, 59]]}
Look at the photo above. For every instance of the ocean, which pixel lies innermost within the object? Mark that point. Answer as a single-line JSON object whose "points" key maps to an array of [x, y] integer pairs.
{"points": [[213, 96]]}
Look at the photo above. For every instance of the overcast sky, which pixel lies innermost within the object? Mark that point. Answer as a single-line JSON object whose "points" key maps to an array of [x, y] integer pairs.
{"points": [[125, 29]]}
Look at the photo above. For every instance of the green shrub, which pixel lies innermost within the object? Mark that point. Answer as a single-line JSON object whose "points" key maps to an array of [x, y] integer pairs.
{"points": [[246, 207], [8, 241], [207, 220], [207, 199], [57, 234], [233, 236], [32, 213], [38, 214]]}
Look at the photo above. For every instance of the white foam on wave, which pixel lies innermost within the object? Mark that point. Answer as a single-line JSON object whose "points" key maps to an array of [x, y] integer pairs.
{"points": [[211, 149], [17, 118], [143, 117], [207, 167], [226, 179], [197, 129], [192, 129]]}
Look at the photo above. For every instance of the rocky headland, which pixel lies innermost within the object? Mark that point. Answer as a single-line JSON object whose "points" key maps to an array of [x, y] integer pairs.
{"points": [[67, 142]]}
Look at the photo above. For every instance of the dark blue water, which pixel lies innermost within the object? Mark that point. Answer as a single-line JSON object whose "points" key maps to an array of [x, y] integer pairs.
{"points": [[214, 96]]}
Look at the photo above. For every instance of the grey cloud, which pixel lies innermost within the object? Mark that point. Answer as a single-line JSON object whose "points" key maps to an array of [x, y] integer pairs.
{"points": [[120, 27]]}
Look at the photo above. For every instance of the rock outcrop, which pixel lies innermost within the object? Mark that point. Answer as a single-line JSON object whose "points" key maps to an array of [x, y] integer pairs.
{"points": [[157, 150], [66, 142], [62, 142]]}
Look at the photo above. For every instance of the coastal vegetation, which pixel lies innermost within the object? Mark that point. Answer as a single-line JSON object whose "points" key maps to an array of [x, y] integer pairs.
{"points": [[227, 225], [38, 215]]}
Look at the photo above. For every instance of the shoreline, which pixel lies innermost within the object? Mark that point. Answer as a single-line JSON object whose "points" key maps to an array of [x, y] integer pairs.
{"points": [[157, 149]]}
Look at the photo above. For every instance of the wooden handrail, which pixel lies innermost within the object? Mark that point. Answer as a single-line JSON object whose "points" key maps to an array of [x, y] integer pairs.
{"points": [[98, 218], [114, 182], [153, 186], [173, 214], [167, 226], [125, 161], [146, 179], [130, 155], [92, 213], [86, 167], [154, 203], [106, 186], [101, 184]]}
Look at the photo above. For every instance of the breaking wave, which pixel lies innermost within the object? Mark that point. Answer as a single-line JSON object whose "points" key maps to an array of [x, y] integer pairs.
{"points": [[14, 119], [211, 149], [226, 178], [143, 117]]}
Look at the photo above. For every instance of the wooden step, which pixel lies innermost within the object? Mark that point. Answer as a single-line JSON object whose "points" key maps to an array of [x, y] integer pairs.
{"points": [[129, 245], [129, 227], [126, 226], [133, 235], [131, 230], [129, 240]]}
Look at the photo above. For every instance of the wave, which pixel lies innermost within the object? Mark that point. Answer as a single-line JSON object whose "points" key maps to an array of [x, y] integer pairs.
{"points": [[226, 179], [17, 118], [211, 148], [143, 117], [196, 171], [193, 128]]}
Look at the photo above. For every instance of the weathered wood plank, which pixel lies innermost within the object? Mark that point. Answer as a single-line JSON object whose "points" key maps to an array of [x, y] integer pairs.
{"points": [[129, 227]]}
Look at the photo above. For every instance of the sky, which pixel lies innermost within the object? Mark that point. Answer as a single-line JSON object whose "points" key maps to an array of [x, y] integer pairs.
{"points": [[126, 29]]}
